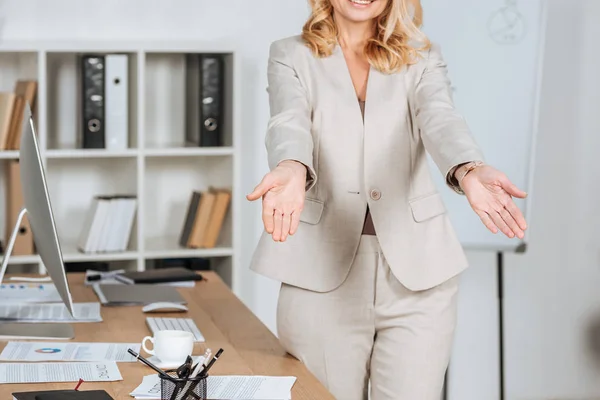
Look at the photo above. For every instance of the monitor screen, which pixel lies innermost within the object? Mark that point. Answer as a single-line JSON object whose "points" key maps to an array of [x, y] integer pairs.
{"points": [[39, 209]]}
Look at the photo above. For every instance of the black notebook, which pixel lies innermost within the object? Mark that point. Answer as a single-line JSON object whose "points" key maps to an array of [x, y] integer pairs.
{"points": [[163, 275], [63, 395]]}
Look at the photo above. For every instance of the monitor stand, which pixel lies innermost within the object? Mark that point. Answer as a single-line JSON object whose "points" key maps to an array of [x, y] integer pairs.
{"points": [[42, 331]]}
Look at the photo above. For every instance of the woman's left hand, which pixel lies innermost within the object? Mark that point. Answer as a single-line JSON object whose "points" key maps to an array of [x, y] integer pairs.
{"points": [[490, 195]]}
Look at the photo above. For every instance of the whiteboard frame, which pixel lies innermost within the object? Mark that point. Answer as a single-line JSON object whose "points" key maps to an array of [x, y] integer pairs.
{"points": [[536, 122]]}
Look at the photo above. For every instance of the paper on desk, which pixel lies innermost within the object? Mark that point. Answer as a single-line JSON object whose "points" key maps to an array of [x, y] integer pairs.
{"points": [[52, 351], [29, 293], [55, 312], [30, 279], [229, 388], [149, 389], [250, 387], [59, 372]]}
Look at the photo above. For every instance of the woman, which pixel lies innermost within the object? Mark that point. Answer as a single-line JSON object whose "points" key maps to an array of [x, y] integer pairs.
{"points": [[354, 226]]}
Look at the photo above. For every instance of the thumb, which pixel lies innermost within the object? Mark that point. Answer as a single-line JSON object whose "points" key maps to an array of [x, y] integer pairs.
{"points": [[263, 187], [512, 189]]}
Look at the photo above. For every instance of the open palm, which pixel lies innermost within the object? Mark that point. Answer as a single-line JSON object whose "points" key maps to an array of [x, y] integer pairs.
{"points": [[490, 194]]}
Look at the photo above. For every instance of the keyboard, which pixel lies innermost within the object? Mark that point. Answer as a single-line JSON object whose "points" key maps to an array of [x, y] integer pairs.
{"points": [[174, 324]]}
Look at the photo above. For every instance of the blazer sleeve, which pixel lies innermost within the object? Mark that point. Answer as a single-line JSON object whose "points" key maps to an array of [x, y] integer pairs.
{"points": [[289, 130], [444, 131]]}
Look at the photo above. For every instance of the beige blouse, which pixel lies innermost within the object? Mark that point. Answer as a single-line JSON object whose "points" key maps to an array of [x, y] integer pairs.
{"points": [[368, 227]]}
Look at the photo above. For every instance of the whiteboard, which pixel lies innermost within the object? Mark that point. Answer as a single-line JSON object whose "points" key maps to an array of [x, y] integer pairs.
{"points": [[494, 52]]}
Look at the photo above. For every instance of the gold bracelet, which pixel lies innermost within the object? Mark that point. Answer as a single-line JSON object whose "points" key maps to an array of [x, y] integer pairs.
{"points": [[464, 169]]}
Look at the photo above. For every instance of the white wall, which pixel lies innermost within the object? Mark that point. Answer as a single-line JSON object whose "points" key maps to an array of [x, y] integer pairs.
{"points": [[552, 296]]}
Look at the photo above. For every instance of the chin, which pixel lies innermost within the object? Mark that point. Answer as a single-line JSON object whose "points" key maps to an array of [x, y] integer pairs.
{"points": [[360, 10]]}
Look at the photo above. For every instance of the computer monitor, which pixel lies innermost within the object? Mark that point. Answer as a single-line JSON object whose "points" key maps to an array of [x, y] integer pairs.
{"points": [[38, 208]]}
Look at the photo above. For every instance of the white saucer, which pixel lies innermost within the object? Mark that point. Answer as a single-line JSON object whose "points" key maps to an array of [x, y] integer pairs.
{"points": [[162, 365]]}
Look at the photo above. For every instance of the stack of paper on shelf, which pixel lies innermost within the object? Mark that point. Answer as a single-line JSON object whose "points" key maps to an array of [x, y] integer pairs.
{"points": [[204, 219], [108, 225]]}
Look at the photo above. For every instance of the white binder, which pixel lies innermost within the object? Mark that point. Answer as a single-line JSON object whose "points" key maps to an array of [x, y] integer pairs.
{"points": [[116, 105]]}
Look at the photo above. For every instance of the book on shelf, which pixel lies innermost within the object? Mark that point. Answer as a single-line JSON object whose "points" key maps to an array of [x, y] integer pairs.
{"points": [[7, 105], [12, 107], [204, 218], [24, 243], [108, 224], [104, 101], [205, 79]]}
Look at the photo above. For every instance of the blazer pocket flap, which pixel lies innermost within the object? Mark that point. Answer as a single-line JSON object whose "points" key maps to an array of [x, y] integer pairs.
{"points": [[427, 207], [313, 209]]}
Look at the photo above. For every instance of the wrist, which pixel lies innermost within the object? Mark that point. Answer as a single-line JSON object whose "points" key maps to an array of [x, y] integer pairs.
{"points": [[296, 166], [465, 169]]}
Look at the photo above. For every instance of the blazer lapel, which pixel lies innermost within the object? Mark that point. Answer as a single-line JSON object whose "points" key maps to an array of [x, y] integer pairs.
{"points": [[338, 74], [384, 100]]}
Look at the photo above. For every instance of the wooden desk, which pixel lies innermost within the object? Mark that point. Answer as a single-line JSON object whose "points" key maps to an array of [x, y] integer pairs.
{"points": [[250, 347]]}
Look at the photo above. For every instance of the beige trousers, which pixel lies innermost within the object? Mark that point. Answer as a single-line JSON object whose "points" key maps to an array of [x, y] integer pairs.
{"points": [[371, 331]]}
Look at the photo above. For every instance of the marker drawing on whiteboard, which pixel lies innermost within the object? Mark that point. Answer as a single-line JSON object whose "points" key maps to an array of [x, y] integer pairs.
{"points": [[507, 25]]}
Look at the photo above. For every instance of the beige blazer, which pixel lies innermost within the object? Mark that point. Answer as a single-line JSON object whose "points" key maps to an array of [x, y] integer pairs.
{"points": [[316, 119]]}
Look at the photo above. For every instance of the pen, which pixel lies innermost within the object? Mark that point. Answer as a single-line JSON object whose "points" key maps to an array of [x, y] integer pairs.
{"points": [[188, 390], [148, 363], [78, 384], [100, 275], [190, 386], [210, 364]]}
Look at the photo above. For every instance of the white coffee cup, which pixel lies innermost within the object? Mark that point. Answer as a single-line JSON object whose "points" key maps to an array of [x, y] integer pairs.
{"points": [[170, 347]]}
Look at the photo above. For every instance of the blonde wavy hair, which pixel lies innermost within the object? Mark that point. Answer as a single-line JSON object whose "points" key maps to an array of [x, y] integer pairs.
{"points": [[393, 44]]}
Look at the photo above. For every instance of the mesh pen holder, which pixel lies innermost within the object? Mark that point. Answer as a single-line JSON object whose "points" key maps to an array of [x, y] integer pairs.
{"points": [[175, 388]]}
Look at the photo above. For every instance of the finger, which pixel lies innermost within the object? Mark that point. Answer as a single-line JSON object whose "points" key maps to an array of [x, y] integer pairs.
{"points": [[295, 222], [512, 224], [497, 218], [267, 217], [285, 226], [258, 192], [512, 189], [516, 214], [487, 221], [263, 187], [277, 220]]}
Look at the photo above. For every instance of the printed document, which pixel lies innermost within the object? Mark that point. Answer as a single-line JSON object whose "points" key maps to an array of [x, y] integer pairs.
{"points": [[229, 388], [51, 313], [29, 293], [53, 351], [59, 372]]}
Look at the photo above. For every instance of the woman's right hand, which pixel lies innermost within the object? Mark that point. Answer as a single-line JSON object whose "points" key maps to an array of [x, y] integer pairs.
{"points": [[282, 191]]}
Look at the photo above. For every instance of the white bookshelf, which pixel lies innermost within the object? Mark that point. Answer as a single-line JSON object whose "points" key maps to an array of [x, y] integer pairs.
{"points": [[157, 167]]}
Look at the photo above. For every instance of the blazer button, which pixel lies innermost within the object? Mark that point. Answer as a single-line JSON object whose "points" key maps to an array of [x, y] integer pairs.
{"points": [[375, 194]]}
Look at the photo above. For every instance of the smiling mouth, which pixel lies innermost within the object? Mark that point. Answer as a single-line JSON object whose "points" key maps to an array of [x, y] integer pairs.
{"points": [[361, 2]]}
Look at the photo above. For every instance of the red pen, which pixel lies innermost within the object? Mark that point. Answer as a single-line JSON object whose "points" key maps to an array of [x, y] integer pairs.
{"points": [[78, 384]]}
